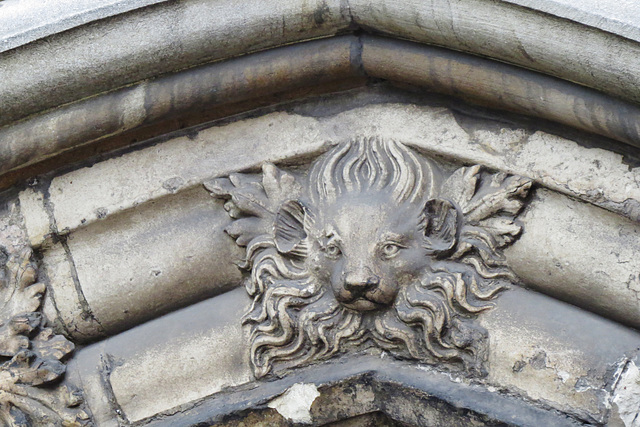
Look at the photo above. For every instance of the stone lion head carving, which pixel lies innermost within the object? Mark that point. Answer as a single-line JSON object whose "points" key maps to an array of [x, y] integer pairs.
{"points": [[370, 249]]}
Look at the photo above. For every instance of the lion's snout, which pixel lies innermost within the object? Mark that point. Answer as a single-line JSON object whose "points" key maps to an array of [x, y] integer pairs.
{"points": [[359, 283], [362, 290]]}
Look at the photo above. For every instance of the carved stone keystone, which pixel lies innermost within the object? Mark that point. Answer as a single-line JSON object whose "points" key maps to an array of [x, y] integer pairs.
{"points": [[371, 248]]}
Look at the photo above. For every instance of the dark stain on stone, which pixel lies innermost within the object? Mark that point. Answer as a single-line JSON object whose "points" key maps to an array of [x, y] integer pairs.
{"points": [[173, 184], [320, 13], [519, 366], [192, 134], [101, 213], [539, 361], [524, 53]]}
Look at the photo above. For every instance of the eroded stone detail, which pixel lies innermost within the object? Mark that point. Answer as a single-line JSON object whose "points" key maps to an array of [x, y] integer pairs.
{"points": [[372, 248], [32, 356]]}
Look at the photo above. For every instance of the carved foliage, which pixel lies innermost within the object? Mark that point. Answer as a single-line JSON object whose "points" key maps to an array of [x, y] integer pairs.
{"points": [[31, 355], [368, 249]]}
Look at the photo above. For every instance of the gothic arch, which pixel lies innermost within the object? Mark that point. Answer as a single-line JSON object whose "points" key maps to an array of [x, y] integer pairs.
{"points": [[118, 119]]}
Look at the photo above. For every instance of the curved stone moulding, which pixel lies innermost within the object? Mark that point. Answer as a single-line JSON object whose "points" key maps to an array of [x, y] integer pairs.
{"points": [[23, 22], [529, 38], [197, 369], [99, 290], [460, 26], [339, 59], [342, 59], [135, 252], [617, 19]]}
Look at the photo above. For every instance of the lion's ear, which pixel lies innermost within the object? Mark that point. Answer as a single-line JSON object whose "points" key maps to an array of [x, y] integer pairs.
{"points": [[441, 222], [289, 228]]}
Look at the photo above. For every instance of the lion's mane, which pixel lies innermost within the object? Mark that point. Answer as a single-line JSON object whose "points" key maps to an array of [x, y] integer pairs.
{"points": [[295, 320]]}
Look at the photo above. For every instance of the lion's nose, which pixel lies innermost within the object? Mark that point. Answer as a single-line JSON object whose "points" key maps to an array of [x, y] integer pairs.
{"points": [[359, 282]]}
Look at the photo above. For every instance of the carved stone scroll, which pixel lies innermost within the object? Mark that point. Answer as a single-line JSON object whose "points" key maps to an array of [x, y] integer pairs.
{"points": [[32, 356], [372, 248]]}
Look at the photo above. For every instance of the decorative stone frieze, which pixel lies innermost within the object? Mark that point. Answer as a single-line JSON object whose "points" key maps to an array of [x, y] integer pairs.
{"points": [[372, 248], [32, 356]]}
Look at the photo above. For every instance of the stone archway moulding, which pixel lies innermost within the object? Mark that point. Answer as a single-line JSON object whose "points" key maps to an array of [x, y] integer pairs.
{"points": [[477, 159], [180, 36]]}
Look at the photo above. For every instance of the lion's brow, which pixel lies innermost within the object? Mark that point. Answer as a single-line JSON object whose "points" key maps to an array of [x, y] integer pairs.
{"points": [[331, 234], [390, 235]]}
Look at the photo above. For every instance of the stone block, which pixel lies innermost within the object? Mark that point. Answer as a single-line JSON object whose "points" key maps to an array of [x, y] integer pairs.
{"points": [[581, 254], [141, 264], [172, 361], [35, 216], [555, 353]]}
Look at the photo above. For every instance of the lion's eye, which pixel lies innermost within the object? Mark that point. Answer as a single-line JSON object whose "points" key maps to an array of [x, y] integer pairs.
{"points": [[390, 250], [333, 250]]}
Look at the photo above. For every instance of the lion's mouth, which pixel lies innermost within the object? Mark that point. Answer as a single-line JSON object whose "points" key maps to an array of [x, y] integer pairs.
{"points": [[362, 304], [365, 299]]}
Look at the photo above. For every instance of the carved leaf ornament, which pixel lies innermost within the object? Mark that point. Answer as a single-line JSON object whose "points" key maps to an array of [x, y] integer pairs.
{"points": [[372, 248], [31, 355]]}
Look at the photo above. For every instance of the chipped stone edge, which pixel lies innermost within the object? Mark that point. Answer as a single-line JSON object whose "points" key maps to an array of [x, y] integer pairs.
{"points": [[295, 403]]}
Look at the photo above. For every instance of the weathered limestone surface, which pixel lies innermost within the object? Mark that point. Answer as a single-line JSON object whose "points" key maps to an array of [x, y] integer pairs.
{"points": [[500, 86], [172, 361], [24, 21], [36, 218], [161, 105], [39, 19], [626, 400], [554, 352], [43, 19], [466, 26], [594, 175], [165, 98], [151, 41], [370, 289], [88, 194], [12, 230], [619, 17], [123, 201], [583, 255], [541, 349], [64, 304], [142, 263]]}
